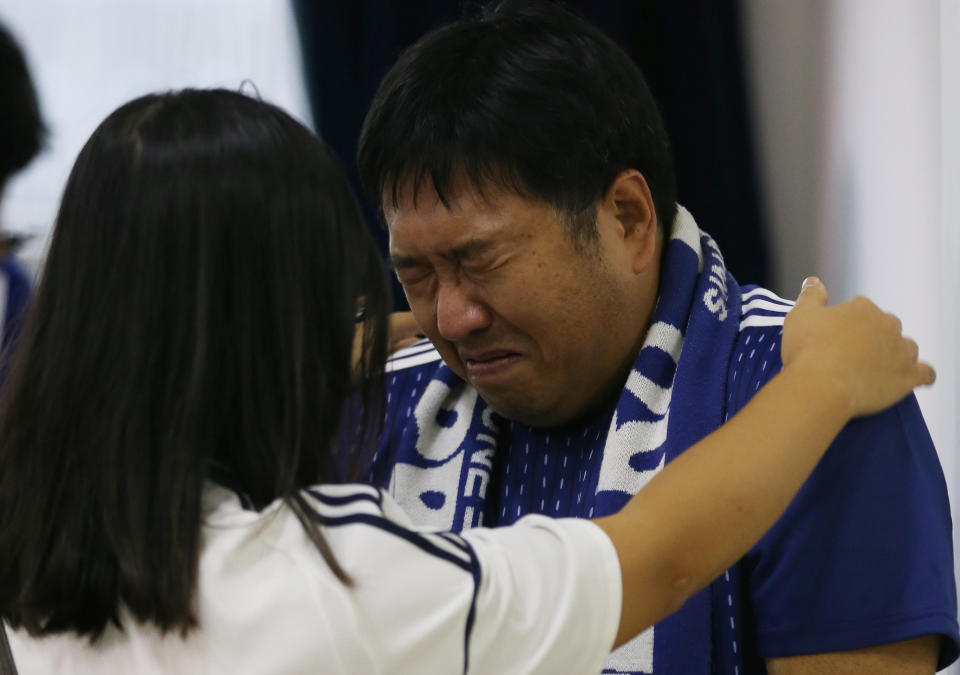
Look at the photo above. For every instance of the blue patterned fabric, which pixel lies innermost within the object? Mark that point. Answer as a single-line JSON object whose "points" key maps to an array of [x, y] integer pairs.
{"points": [[16, 288]]}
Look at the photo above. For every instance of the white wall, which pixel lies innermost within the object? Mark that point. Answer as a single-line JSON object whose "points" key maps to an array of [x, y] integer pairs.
{"points": [[858, 108], [89, 57], [785, 60]]}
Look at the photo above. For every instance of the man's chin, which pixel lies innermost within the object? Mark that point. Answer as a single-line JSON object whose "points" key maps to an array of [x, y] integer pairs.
{"points": [[521, 408]]}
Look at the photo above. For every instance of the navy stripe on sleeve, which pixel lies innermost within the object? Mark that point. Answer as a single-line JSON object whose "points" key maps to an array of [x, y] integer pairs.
{"points": [[421, 541], [475, 571], [339, 500], [456, 540], [427, 542]]}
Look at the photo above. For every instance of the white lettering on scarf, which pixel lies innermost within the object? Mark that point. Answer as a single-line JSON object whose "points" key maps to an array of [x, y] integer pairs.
{"points": [[478, 471], [715, 298]]}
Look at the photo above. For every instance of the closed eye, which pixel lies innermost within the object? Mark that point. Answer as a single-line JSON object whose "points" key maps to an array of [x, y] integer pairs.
{"points": [[407, 268], [480, 267], [409, 276]]}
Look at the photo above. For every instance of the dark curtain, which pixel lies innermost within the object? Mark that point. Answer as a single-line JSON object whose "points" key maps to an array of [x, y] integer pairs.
{"points": [[690, 52]]}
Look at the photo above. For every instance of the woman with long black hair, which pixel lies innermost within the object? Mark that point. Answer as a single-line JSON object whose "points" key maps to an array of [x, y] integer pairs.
{"points": [[170, 500]]}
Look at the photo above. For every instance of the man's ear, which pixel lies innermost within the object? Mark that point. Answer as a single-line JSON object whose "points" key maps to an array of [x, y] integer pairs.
{"points": [[628, 198]]}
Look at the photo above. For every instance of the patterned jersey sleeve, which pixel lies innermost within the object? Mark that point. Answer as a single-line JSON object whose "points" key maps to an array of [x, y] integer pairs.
{"points": [[863, 555]]}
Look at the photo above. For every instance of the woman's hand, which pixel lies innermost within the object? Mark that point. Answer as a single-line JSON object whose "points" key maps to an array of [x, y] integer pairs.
{"points": [[854, 347]]}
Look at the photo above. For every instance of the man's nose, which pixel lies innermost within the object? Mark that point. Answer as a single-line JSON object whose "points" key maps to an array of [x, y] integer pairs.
{"points": [[460, 311]]}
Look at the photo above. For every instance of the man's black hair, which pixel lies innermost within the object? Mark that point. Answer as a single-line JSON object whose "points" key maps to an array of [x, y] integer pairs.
{"points": [[525, 95]]}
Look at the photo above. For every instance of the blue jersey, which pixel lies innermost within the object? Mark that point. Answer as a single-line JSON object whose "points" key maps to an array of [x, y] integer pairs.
{"points": [[863, 555], [14, 294]]}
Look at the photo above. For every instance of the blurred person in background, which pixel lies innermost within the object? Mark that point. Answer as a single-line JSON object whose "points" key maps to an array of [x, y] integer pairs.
{"points": [[21, 138]]}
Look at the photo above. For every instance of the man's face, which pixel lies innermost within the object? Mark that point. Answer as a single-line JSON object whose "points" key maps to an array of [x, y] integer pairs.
{"points": [[544, 330]]}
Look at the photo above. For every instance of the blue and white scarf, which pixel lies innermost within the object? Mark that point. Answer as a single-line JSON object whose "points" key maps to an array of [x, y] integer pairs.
{"points": [[452, 448]]}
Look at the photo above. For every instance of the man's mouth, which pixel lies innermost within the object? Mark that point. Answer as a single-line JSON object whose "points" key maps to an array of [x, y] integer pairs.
{"points": [[483, 366]]}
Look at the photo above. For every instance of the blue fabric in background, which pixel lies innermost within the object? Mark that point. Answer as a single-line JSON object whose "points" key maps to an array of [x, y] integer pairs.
{"points": [[18, 295]]}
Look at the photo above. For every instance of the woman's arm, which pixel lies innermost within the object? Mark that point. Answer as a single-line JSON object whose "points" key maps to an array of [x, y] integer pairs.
{"points": [[711, 504]]}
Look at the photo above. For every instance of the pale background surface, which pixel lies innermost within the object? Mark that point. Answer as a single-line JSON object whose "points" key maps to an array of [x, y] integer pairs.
{"points": [[89, 57]]}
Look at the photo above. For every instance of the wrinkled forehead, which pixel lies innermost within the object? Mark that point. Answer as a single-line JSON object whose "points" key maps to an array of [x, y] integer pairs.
{"points": [[467, 216], [462, 201], [422, 188]]}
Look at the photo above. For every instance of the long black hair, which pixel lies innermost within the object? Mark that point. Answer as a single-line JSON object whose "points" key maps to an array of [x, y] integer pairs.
{"points": [[194, 322]]}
